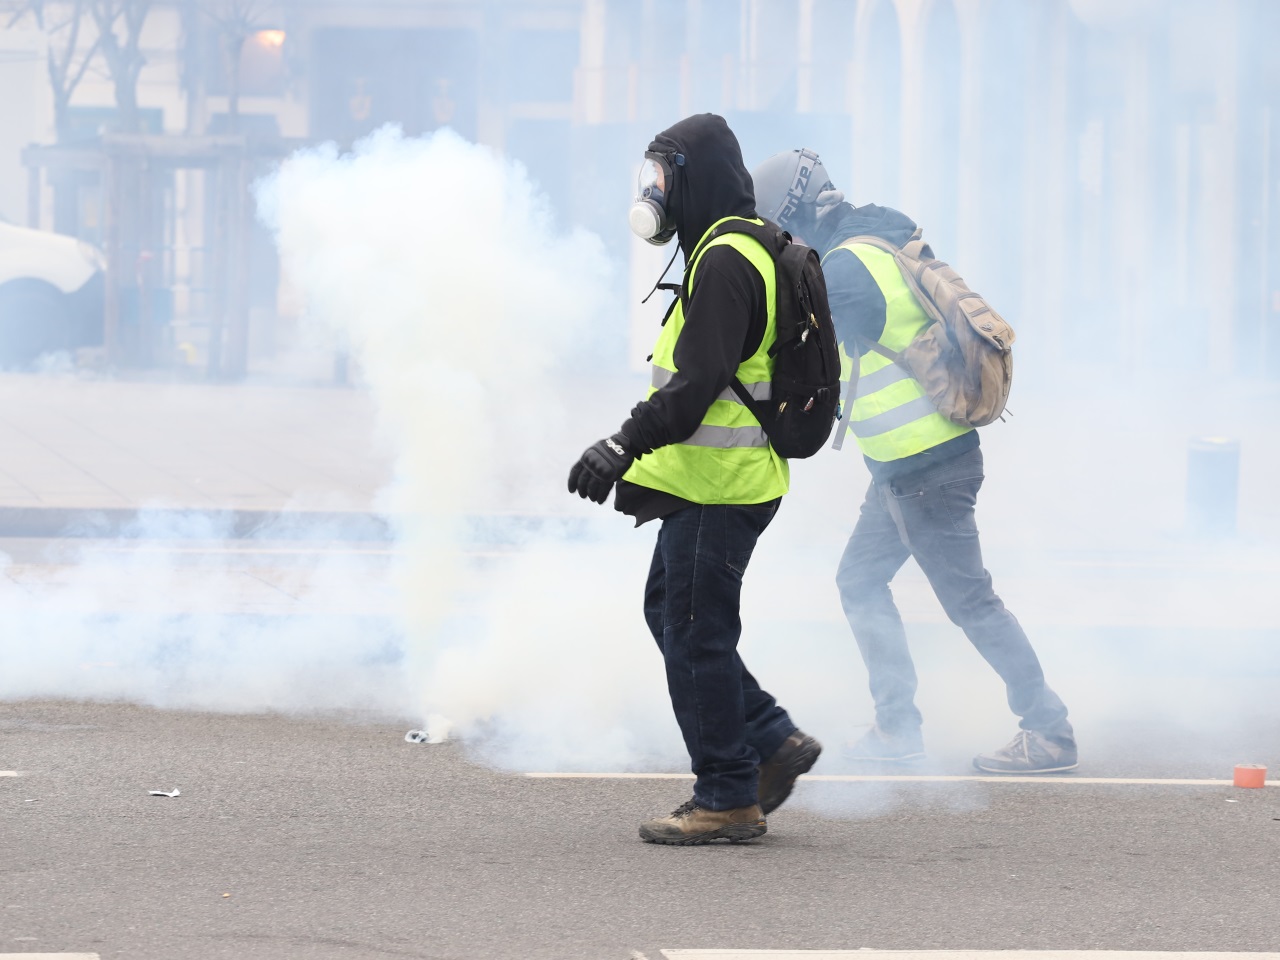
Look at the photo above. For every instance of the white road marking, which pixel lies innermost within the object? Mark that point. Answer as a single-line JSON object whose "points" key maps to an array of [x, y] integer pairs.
{"points": [[851, 778], [49, 956], [611, 776], [10, 773], [248, 551], [866, 954], [1154, 564], [1042, 778]]}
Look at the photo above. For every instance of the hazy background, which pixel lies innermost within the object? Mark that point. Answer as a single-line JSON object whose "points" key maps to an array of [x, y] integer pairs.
{"points": [[435, 219]]}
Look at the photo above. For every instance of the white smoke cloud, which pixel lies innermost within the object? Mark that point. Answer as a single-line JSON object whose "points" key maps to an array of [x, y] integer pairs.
{"points": [[175, 622], [475, 322], [477, 326]]}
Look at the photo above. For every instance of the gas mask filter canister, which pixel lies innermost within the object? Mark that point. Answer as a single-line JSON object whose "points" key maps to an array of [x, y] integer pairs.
{"points": [[649, 218]]}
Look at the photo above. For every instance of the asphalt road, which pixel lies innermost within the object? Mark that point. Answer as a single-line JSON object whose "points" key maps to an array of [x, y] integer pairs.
{"points": [[334, 839]]}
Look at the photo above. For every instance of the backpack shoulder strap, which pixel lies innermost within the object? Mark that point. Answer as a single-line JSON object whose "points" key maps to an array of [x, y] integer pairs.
{"points": [[912, 259], [882, 244], [751, 403], [733, 225], [878, 242], [916, 248], [773, 239], [881, 349], [769, 236]]}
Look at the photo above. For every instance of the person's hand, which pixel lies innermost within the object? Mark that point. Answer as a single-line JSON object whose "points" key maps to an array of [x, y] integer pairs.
{"points": [[600, 467], [827, 201]]}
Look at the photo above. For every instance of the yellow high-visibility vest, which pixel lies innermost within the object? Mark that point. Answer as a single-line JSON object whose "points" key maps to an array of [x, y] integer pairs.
{"points": [[728, 458], [891, 417]]}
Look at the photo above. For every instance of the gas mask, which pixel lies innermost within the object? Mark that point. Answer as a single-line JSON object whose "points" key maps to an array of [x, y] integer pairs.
{"points": [[794, 191], [650, 217]]}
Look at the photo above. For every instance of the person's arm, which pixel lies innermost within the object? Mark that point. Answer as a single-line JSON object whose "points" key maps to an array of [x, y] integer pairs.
{"points": [[724, 322], [857, 306]]}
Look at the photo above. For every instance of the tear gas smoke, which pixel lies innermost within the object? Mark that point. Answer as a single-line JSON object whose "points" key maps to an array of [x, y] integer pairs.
{"points": [[540, 655], [106, 620], [478, 328], [474, 321], [476, 325]]}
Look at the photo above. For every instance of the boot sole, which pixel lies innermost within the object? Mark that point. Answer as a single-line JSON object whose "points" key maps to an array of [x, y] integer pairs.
{"points": [[797, 766], [734, 833]]}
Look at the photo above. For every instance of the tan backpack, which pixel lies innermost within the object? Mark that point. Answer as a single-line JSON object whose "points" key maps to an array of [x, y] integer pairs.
{"points": [[961, 360]]}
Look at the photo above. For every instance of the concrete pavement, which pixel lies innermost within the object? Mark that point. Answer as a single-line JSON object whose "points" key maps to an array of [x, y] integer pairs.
{"points": [[308, 839]]}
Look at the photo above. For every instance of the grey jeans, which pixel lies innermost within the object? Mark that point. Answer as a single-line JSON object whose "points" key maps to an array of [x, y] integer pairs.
{"points": [[929, 515]]}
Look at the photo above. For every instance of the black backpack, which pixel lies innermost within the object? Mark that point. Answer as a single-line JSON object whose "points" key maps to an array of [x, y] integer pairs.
{"points": [[805, 397]]}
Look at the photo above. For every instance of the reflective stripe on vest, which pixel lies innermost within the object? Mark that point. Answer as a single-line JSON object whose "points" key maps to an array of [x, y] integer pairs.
{"points": [[894, 418], [728, 458], [757, 391], [726, 437], [891, 416], [880, 379]]}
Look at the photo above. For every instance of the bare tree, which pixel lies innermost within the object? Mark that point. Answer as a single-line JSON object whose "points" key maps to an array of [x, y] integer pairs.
{"points": [[67, 62], [121, 51], [236, 21]]}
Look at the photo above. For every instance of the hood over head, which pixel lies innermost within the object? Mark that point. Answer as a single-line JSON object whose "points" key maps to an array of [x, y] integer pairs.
{"points": [[847, 221], [713, 182]]}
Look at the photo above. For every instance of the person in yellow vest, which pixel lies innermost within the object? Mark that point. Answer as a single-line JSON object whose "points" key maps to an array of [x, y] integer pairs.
{"points": [[692, 456], [925, 475]]}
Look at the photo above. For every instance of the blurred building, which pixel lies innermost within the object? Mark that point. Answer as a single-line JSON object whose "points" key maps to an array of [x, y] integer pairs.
{"points": [[1106, 171]]}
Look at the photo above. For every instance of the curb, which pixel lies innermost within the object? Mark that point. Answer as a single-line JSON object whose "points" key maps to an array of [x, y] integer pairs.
{"points": [[193, 523], [167, 523]]}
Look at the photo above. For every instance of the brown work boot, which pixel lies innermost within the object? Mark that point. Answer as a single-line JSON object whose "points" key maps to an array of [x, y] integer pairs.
{"points": [[689, 824], [798, 753]]}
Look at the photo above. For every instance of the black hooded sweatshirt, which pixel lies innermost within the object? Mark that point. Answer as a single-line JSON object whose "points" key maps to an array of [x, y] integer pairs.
{"points": [[858, 310], [726, 314]]}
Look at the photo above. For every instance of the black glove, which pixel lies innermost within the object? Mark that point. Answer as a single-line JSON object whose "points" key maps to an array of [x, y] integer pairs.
{"points": [[600, 467]]}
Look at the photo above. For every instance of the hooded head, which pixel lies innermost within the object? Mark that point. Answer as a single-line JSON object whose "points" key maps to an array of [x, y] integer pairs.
{"points": [[703, 177], [795, 192]]}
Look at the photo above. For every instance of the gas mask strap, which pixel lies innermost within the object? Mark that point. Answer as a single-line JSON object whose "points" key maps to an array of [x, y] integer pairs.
{"points": [[659, 285]]}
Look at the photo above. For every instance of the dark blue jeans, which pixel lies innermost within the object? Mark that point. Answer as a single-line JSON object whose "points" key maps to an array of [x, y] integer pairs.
{"points": [[691, 604], [930, 516]]}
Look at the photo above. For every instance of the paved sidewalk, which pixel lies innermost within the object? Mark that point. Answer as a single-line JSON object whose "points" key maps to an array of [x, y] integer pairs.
{"points": [[83, 457], [98, 451]]}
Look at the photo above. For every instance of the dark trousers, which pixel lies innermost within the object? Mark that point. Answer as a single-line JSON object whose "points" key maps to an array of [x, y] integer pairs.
{"points": [[930, 516], [691, 604]]}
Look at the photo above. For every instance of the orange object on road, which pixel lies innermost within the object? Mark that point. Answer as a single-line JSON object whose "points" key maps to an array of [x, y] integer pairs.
{"points": [[1250, 775]]}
